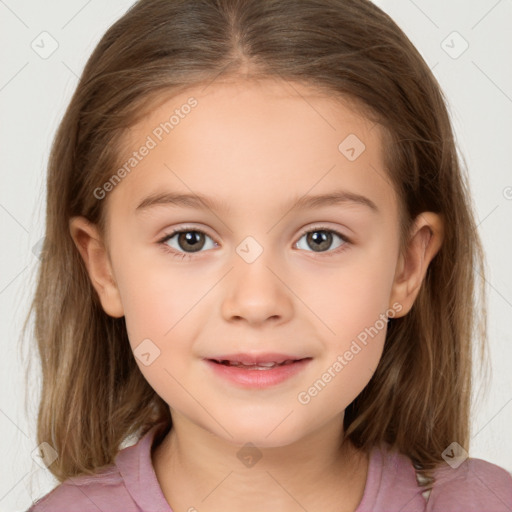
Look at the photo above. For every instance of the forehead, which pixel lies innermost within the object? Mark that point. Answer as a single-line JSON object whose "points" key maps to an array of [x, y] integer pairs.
{"points": [[251, 142]]}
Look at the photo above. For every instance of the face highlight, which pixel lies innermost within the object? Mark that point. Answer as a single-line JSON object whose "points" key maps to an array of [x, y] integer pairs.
{"points": [[261, 223]]}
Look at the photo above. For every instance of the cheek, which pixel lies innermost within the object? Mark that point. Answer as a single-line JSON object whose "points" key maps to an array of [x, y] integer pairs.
{"points": [[352, 303], [161, 308], [351, 355], [156, 293], [149, 313], [350, 296], [163, 304]]}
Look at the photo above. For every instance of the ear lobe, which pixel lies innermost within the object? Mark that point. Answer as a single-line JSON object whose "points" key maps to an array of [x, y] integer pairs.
{"points": [[92, 250], [424, 243]]}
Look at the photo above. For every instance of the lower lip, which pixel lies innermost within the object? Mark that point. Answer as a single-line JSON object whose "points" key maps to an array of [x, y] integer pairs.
{"points": [[258, 378]]}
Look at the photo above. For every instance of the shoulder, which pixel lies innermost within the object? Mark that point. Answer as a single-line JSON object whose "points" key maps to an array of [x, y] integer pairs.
{"points": [[476, 485], [103, 491], [128, 485]]}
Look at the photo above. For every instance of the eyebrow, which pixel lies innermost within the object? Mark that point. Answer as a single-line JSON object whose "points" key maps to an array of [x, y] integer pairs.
{"points": [[199, 201]]}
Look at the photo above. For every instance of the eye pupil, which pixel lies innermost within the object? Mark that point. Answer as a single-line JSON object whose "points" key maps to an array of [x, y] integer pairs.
{"points": [[191, 238], [322, 240]]}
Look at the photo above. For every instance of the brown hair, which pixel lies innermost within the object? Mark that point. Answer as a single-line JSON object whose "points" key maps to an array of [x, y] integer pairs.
{"points": [[93, 394]]}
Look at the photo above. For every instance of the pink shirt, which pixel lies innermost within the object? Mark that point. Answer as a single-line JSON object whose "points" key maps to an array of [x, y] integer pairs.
{"points": [[130, 485]]}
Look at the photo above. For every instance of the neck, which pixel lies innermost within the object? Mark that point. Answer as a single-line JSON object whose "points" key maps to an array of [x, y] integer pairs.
{"points": [[198, 470]]}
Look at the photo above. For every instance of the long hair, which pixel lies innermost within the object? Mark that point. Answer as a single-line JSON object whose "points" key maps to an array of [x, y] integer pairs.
{"points": [[93, 395]]}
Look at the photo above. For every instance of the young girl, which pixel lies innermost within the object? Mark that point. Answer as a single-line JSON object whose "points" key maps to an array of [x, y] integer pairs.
{"points": [[257, 290]]}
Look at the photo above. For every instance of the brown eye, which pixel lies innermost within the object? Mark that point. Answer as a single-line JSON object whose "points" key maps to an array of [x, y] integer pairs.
{"points": [[321, 240], [191, 240], [187, 241]]}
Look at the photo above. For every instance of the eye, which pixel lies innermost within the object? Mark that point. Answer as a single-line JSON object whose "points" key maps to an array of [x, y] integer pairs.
{"points": [[185, 241], [321, 239]]}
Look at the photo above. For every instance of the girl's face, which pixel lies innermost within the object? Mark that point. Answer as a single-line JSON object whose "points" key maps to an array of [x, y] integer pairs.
{"points": [[260, 270]]}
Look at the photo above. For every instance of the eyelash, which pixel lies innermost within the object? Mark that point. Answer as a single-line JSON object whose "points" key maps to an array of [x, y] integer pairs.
{"points": [[184, 229]]}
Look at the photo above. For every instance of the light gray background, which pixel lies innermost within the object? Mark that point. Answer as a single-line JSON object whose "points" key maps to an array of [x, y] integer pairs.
{"points": [[34, 92]]}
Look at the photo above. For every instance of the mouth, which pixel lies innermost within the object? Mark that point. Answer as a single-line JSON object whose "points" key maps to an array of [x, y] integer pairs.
{"points": [[262, 361], [263, 365], [257, 371]]}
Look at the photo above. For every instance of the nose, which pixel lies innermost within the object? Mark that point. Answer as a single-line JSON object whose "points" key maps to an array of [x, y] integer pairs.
{"points": [[256, 292]]}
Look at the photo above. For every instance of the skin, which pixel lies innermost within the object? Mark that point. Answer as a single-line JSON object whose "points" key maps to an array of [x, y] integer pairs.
{"points": [[257, 147]]}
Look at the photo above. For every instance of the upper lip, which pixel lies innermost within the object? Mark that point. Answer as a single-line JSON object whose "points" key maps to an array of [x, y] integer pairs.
{"points": [[267, 357]]}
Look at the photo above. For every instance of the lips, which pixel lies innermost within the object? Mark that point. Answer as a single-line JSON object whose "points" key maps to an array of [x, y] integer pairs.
{"points": [[256, 361], [255, 366], [257, 371]]}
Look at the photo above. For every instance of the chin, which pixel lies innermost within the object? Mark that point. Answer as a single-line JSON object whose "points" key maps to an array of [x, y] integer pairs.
{"points": [[260, 432]]}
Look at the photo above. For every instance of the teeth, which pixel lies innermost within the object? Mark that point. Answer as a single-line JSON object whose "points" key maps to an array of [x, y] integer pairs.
{"points": [[255, 366]]}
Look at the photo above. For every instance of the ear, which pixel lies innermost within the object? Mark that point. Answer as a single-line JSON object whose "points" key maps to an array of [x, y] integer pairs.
{"points": [[94, 253], [424, 242]]}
